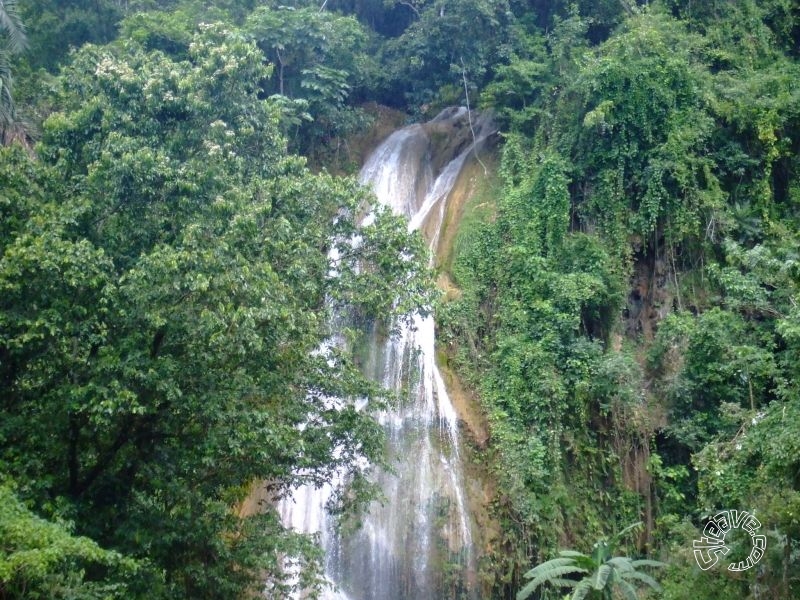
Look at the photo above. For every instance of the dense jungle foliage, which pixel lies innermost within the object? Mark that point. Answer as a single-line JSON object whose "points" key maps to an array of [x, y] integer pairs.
{"points": [[627, 283]]}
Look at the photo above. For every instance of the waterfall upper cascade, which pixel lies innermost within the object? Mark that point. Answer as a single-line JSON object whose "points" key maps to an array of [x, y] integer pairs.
{"points": [[419, 544]]}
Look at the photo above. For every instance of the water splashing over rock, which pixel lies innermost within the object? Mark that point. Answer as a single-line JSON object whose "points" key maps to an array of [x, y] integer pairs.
{"points": [[418, 544]]}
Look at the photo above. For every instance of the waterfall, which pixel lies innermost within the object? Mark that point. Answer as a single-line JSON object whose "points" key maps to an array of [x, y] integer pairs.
{"points": [[419, 543]]}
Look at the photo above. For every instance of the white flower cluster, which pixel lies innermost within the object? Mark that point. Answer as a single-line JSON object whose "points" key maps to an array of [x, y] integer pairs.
{"points": [[213, 149], [108, 68], [220, 126]]}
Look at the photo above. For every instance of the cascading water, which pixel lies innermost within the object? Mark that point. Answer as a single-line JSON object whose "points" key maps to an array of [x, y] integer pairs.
{"points": [[419, 543]]}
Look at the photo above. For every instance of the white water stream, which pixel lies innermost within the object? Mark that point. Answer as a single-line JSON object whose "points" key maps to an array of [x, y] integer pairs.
{"points": [[418, 544]]}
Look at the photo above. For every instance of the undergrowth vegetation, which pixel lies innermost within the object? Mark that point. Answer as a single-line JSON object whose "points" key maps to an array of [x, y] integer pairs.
{"points": [[628, 316]]}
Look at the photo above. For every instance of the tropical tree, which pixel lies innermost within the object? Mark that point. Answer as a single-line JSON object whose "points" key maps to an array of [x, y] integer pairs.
{"points": [[43, 559], [320, 60], [603, 573], [166, 285], [449, 42]]}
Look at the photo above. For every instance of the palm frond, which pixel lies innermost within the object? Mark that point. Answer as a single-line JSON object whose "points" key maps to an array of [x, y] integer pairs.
{"points": [[6, 103], [18, 130], [604, 572], [572, 554], [628, 591], [11, 25], [643, 577], [551, 573], [600, 577], [558, 582], [621, 563], [555, 573], [547, 565], [618, 536], [582, 590], [646, 562], [6, 82], [525, 592], [583, 560]]}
